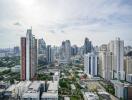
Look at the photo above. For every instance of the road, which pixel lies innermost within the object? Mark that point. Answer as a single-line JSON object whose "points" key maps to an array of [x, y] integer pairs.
{"points": [[95, 84]]}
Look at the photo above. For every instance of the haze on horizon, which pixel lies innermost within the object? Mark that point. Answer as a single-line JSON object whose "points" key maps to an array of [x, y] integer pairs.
{"points": [[58, 20]]}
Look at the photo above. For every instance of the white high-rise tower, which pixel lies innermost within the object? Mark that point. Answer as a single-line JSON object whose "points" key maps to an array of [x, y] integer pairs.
{"points": [[117, 48]]}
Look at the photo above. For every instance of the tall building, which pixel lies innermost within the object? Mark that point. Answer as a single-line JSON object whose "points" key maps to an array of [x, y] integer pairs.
{"points": [[28, 56], [74, 50], [55, 53], [127, 49], [67, 49], [90, 64], [65, 52], [87, 46], [49, 55], [16, 51], [105, 63], [128, 64], [41, 46], [117, 49], [128, 68]]}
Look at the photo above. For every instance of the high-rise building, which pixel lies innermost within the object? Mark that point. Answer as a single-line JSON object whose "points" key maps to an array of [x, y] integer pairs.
{"points": [[87, 46], [16, 51], [49, 55], [67, 49], [65, 52], [128, 68], [90, 64], [41, 46], [74, 50], [127, 49], [105, 65], [117, 49], [23, 58], [28, 56], [55, 53], [128, 64]]}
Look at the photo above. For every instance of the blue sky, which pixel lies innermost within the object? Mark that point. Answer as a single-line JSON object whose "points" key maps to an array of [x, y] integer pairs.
{"points": [[58, 20]]}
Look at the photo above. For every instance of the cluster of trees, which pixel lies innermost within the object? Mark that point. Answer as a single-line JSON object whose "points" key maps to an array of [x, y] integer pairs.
{"points": [[64, 83], [109, 88], [44, 77], [9, 61]]}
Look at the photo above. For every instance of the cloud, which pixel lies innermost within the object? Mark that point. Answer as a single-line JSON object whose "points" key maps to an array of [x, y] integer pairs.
{"points": [[100, 20]]}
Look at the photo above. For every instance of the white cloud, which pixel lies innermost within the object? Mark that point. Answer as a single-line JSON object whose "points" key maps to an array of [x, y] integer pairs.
{"points": [[57, 20]]}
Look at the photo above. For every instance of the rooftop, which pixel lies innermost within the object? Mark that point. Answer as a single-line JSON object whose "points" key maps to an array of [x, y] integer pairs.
{"points": [[24, 83], [49, 95], [56, 73], [53, 86], [34, 86], [11, 88], [66, 98], [91, 96]]}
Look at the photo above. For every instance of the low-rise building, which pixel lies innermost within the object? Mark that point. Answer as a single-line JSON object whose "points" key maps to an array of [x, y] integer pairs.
{"points": [[22, 87], [33, 91], [122, 90], [103, 94], [51, 92], [56, 76], [90, 96], [3, 86], [16, 68], [129, 78], [11, 91], [66, 98]]}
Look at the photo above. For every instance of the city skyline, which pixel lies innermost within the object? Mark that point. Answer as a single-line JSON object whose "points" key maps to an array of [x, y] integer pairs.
{"points": [[65, 50], [59, 20]]}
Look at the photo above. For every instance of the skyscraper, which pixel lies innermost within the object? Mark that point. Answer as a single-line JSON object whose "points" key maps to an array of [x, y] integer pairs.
{"points": [[74, 50], [105, 63], [67, 49], [49, 55], [117, 49], [41, 46], [90, 64], [65, 52], [87, 46], [23, 58], [28, 56]]}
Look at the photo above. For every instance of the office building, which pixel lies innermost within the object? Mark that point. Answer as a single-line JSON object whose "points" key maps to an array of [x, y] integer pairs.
{"points": [[65, 52], [41, 46], [74, 50], [67, 49], [87, 46], [16, 51], [49, 54]]}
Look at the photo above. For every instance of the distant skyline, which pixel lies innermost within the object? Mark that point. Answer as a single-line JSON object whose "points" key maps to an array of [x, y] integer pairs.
{"points": [[58, 20]]}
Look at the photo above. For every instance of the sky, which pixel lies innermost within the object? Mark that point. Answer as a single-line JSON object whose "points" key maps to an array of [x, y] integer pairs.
{"points": [[58, 20]]}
